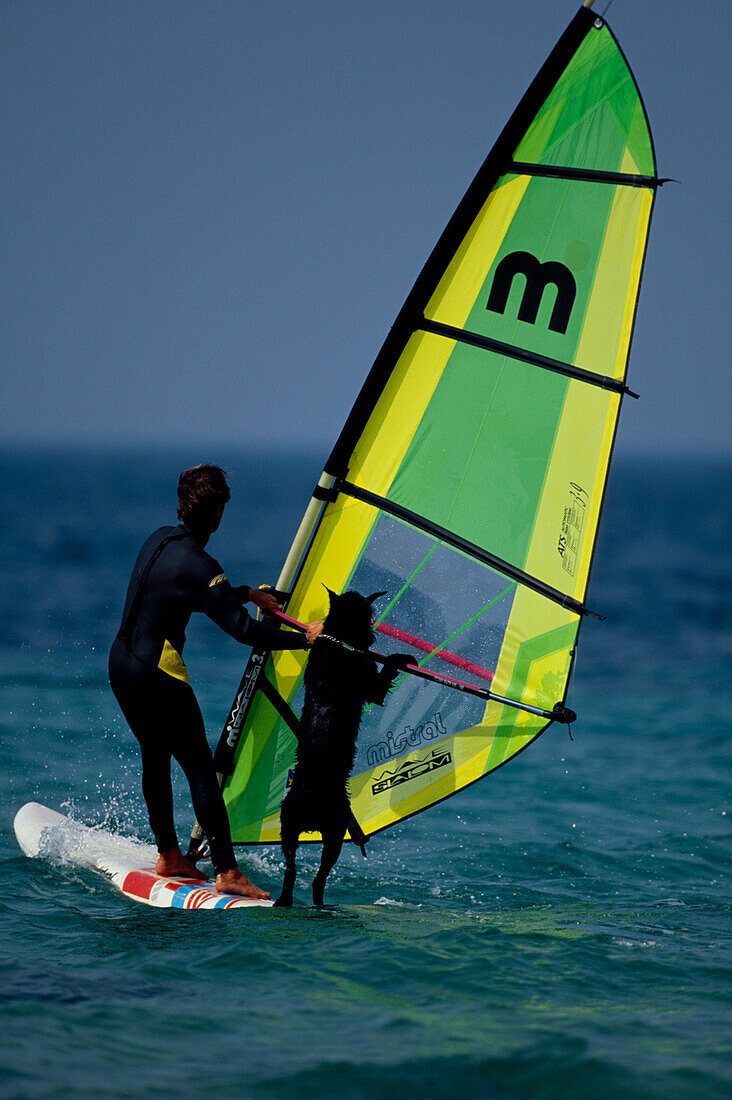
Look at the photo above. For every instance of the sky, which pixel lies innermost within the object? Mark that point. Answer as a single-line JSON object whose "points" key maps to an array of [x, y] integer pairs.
{"points": [[212, 212]]}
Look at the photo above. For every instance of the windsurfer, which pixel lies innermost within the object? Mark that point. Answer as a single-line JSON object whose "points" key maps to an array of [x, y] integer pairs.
{"points": [[173, 577]]}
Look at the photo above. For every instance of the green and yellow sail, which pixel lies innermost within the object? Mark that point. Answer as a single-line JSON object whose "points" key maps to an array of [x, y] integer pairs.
{"points": [[469, 478]]}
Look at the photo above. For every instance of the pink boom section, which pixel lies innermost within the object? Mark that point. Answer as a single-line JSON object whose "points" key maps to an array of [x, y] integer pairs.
{"points": [[420, 643]]}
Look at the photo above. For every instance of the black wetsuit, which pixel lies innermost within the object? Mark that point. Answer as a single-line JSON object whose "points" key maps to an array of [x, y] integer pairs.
{"points": [[173, 577]]}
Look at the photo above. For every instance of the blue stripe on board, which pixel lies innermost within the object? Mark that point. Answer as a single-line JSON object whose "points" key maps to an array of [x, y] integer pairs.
{"points": [[178, 900]]}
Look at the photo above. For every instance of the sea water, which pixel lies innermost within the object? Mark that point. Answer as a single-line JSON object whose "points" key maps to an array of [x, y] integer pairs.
{"points": [[560, 929]]}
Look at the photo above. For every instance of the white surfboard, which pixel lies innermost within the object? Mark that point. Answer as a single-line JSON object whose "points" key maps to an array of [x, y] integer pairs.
{"points": [[127, 863]]}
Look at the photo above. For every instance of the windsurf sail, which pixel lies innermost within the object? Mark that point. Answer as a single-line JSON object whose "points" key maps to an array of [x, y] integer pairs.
{"points": [[469, 477]]}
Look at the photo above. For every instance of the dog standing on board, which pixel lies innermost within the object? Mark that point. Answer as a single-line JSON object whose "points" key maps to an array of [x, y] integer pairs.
{"points": [[338, 683]]}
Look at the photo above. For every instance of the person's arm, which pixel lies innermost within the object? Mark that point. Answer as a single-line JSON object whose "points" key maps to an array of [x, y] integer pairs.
{"points": [[260, 597], [222, 604], [264, 636]]}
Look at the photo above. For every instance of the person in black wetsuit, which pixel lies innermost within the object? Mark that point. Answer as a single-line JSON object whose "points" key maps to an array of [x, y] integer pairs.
{"points": [[173, 577]]}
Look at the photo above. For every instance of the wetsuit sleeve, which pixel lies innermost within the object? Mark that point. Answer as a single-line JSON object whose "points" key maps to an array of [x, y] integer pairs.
{"points": [[241, 591], [222, 605], [264, 636]]}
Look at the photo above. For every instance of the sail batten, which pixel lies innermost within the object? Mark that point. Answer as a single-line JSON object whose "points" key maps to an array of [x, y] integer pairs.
{"points": [[515, 352], [468, 480], [447, 537], [558, 171]]}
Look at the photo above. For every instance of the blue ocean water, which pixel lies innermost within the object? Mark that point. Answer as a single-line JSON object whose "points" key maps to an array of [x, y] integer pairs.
{"points": [[558, 930]]}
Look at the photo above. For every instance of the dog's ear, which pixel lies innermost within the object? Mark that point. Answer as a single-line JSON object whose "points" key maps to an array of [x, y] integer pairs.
{"points": [[375, 596], [331, 593]]}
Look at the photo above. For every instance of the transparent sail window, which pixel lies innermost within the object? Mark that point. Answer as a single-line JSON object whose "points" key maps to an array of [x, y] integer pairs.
{"points": [[446, 609]]}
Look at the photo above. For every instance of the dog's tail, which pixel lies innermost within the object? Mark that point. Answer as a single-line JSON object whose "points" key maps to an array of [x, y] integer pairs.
{"points": [[358, 836]]}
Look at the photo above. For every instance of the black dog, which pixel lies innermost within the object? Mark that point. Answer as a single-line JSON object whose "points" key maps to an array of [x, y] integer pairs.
{"points": [[338, 682]]}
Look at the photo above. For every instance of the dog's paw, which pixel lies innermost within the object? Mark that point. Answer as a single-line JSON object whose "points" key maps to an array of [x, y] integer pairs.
{"points": [[397, 662], [282, 902]]}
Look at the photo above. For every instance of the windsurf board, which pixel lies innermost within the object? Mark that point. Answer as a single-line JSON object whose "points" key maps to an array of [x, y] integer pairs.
{"points": [[127, 864]]}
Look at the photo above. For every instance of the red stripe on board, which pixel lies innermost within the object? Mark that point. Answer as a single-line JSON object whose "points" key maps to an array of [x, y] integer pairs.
{"points": [[197, 898], [419, 643], [139, 883], [178, 881]]}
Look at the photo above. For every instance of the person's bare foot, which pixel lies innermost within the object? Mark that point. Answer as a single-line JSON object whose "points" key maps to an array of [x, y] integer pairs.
{"points": [[174, 863], [234, 882]]}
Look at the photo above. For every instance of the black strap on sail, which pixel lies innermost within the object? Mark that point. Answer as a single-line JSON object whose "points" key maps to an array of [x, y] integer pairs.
{"points": [[285, 711]]}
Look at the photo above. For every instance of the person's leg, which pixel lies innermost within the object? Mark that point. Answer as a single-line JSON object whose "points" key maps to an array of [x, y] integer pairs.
{"points": [[136, 690], [157, 791], [186, 737], [192, 751]]}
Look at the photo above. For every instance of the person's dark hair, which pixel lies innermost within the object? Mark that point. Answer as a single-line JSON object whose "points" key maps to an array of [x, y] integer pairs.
{"points": [[202, 491]]}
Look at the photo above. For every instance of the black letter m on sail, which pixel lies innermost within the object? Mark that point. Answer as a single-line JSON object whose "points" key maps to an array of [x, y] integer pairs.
{"points": [[538, 277]]}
